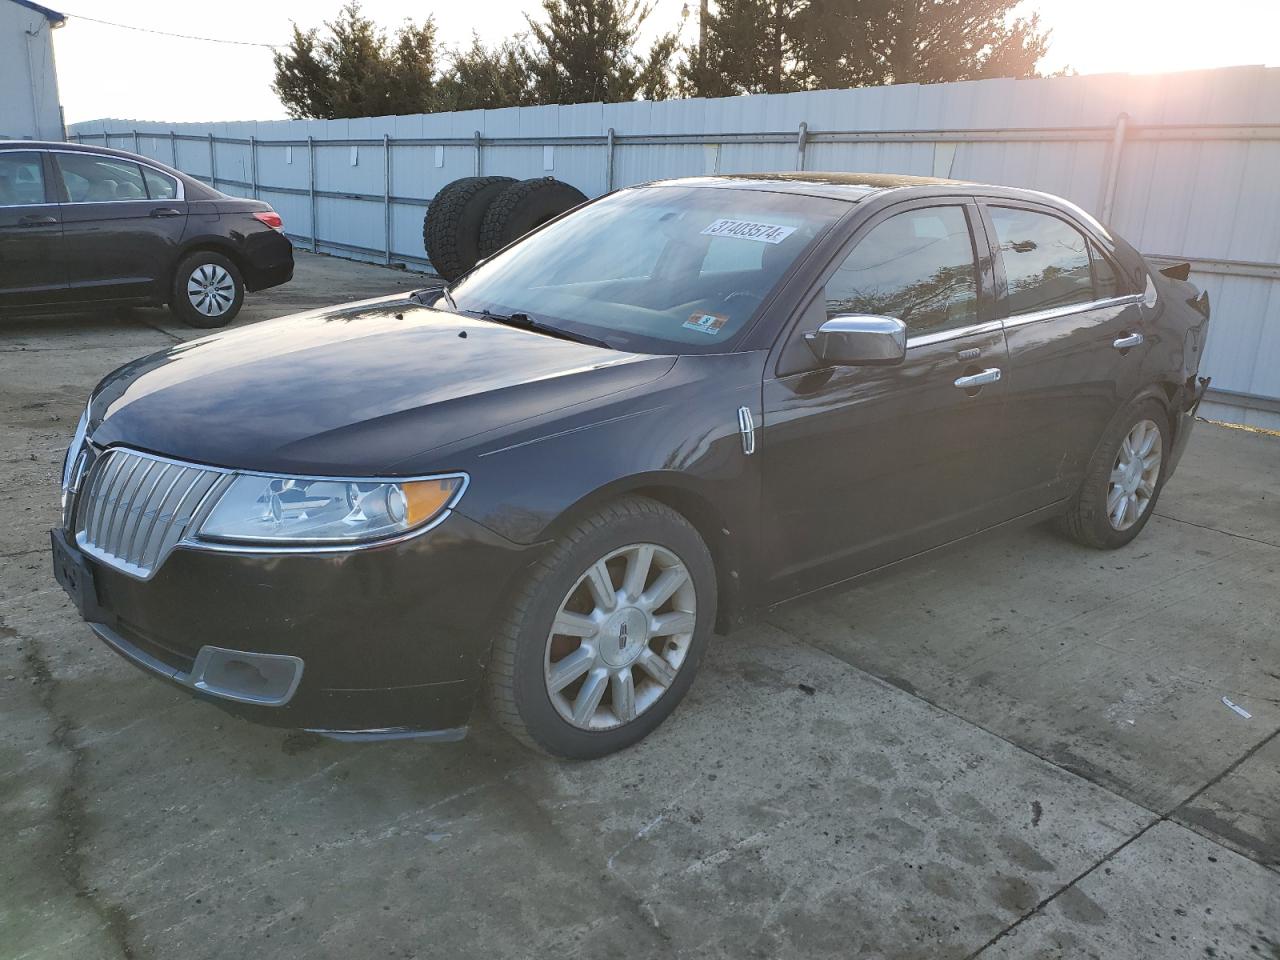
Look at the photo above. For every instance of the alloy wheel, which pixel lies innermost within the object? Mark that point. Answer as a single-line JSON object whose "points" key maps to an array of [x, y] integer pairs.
{"points": [[1134, 475], [620, 637], [211, 289]]}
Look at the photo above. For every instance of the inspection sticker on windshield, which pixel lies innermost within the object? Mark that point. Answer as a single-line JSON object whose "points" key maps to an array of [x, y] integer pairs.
{"points": [[749, 230], [711, 323]]}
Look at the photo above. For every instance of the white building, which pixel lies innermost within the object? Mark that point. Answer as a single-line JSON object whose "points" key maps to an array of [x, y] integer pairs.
{"points": [[29, 106]]}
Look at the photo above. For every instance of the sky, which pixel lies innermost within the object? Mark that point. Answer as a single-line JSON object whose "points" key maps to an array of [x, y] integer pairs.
{"points": [[106, 71]]}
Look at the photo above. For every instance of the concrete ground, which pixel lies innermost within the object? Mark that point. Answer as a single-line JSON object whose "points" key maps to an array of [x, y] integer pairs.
{"points": [[1015, 750]]}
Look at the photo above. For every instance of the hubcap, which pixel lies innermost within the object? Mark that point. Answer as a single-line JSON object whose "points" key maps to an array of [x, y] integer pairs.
{"points": [[620, 637], [1134, 475], [211, 289]]}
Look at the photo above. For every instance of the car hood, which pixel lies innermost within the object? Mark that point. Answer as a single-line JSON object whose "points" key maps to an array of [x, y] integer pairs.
{"points": [[354, 390]]}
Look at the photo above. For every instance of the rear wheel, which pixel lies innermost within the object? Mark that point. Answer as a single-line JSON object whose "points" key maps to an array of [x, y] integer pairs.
{"points": [[604, 638], [1123, 480], [208, 290]]}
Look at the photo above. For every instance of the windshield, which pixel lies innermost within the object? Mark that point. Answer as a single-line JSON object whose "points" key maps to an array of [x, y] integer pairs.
{"points": [[653, 269]]}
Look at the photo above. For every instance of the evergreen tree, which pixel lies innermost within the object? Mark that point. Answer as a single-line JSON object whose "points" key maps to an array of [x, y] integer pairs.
{"points": [[484, 78], [750, 46], [583, 52], [861, 42], [354, 71]]}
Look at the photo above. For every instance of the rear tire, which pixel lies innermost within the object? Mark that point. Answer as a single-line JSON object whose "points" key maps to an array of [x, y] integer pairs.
{"points": [[525, 206], [208, 290], [632, 652], [451, 227], [1123, 480]]}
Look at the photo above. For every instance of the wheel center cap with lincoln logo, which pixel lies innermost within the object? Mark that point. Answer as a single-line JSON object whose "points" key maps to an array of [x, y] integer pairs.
{"points": [[624, 636]]}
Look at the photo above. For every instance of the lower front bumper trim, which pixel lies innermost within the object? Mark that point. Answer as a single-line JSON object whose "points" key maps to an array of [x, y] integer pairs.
{"points": [[450, 735], [261, 679]]}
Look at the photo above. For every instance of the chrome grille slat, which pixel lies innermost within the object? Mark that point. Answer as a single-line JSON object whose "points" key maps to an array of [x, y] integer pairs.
{"points": [[178, 474], [135, 508]]}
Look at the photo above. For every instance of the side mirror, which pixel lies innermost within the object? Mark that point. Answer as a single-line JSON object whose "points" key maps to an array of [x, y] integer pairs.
{"points": [[859, 340]]}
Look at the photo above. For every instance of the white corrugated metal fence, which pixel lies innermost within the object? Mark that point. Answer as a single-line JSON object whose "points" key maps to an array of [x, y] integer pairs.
{"points": [[1185, 166]]}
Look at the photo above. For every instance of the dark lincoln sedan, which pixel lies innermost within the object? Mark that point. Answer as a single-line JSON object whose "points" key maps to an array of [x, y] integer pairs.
{"points": [[550, 483], [85, 226]]}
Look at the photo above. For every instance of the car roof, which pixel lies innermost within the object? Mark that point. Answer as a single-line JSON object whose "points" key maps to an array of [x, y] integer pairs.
{"points": [[831, 184]]}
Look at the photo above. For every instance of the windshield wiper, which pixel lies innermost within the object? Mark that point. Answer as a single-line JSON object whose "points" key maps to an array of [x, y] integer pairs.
{"points": [[428, 295], [522, 321]]}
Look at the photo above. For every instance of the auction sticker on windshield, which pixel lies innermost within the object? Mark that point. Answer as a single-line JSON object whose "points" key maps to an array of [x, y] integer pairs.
{"points": [[749, 230], [711, 323]]}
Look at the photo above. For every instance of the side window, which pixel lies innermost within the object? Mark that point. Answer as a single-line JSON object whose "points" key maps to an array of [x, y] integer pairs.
{"points": [[159, 186], [1105, 282], [917, 266], [21, 179], [91, 179], [1046, 261]]}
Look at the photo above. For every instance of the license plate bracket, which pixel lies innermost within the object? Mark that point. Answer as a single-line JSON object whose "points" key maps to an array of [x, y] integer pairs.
{"points": [[75, 576]]}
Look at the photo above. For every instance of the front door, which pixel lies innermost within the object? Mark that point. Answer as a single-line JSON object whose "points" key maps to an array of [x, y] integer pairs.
{"points": [[32, 271], [1077, 345], [122, 224], [867, 465]]}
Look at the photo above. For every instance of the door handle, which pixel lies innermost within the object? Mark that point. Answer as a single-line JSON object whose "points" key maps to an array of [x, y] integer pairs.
{"points": [[36, 220], [166, 212], [1127, 341], [990, 375]]}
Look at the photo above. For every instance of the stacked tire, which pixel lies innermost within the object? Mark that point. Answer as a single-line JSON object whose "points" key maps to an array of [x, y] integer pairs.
{"points": [[475, 217]]}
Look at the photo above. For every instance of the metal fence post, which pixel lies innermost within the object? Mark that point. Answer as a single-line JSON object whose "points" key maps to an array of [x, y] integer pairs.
{"points": [[609, 145], [311, 192], [479, 147], [802, 142], [135, 141], [253, 165], [213, 164], [173, 148], [1113, 169], [386, 194]]}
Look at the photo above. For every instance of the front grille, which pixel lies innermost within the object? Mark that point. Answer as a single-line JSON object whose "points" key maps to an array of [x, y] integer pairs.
{"points": [[135, 508]]}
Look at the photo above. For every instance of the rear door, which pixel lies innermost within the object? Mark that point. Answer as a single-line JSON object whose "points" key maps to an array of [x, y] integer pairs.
{"points": [[31, 264], [1076, 344], [867, 465], [122, 226]]}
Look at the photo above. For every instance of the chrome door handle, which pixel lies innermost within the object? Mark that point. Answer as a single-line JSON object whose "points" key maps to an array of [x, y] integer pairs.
{"points": [[37, 221], [1130, 340], [990, 375]]}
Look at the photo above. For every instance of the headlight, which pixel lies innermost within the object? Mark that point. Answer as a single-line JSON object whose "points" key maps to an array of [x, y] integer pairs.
{"points": [[322, 510]]}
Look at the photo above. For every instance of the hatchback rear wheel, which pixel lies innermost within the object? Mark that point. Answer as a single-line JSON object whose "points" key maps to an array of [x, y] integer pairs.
{"points": [[604, 637], [208, 290]]}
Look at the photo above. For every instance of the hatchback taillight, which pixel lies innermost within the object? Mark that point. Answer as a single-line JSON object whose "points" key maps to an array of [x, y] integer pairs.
{"points": [[270, 218]]}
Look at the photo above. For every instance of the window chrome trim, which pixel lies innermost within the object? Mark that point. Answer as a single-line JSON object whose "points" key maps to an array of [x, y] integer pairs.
{"points": [[954, 333], [1054, 312], [182, 190], [991, 326]]}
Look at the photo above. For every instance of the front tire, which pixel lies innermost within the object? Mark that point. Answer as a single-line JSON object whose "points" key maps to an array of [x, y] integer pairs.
{"points": [[1123, 480], [208, 290], [605, 635]]}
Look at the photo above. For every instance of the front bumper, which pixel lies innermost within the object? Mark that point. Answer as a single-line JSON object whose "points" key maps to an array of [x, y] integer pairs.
{"points": [[375, 642]]}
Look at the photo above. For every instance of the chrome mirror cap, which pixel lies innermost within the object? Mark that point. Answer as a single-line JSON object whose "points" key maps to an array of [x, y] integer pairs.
{"points": [[859, 340]]}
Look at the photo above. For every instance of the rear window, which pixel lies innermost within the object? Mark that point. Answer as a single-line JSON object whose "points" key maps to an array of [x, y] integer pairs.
{"points": [[91, 179], [1046, 261]]}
